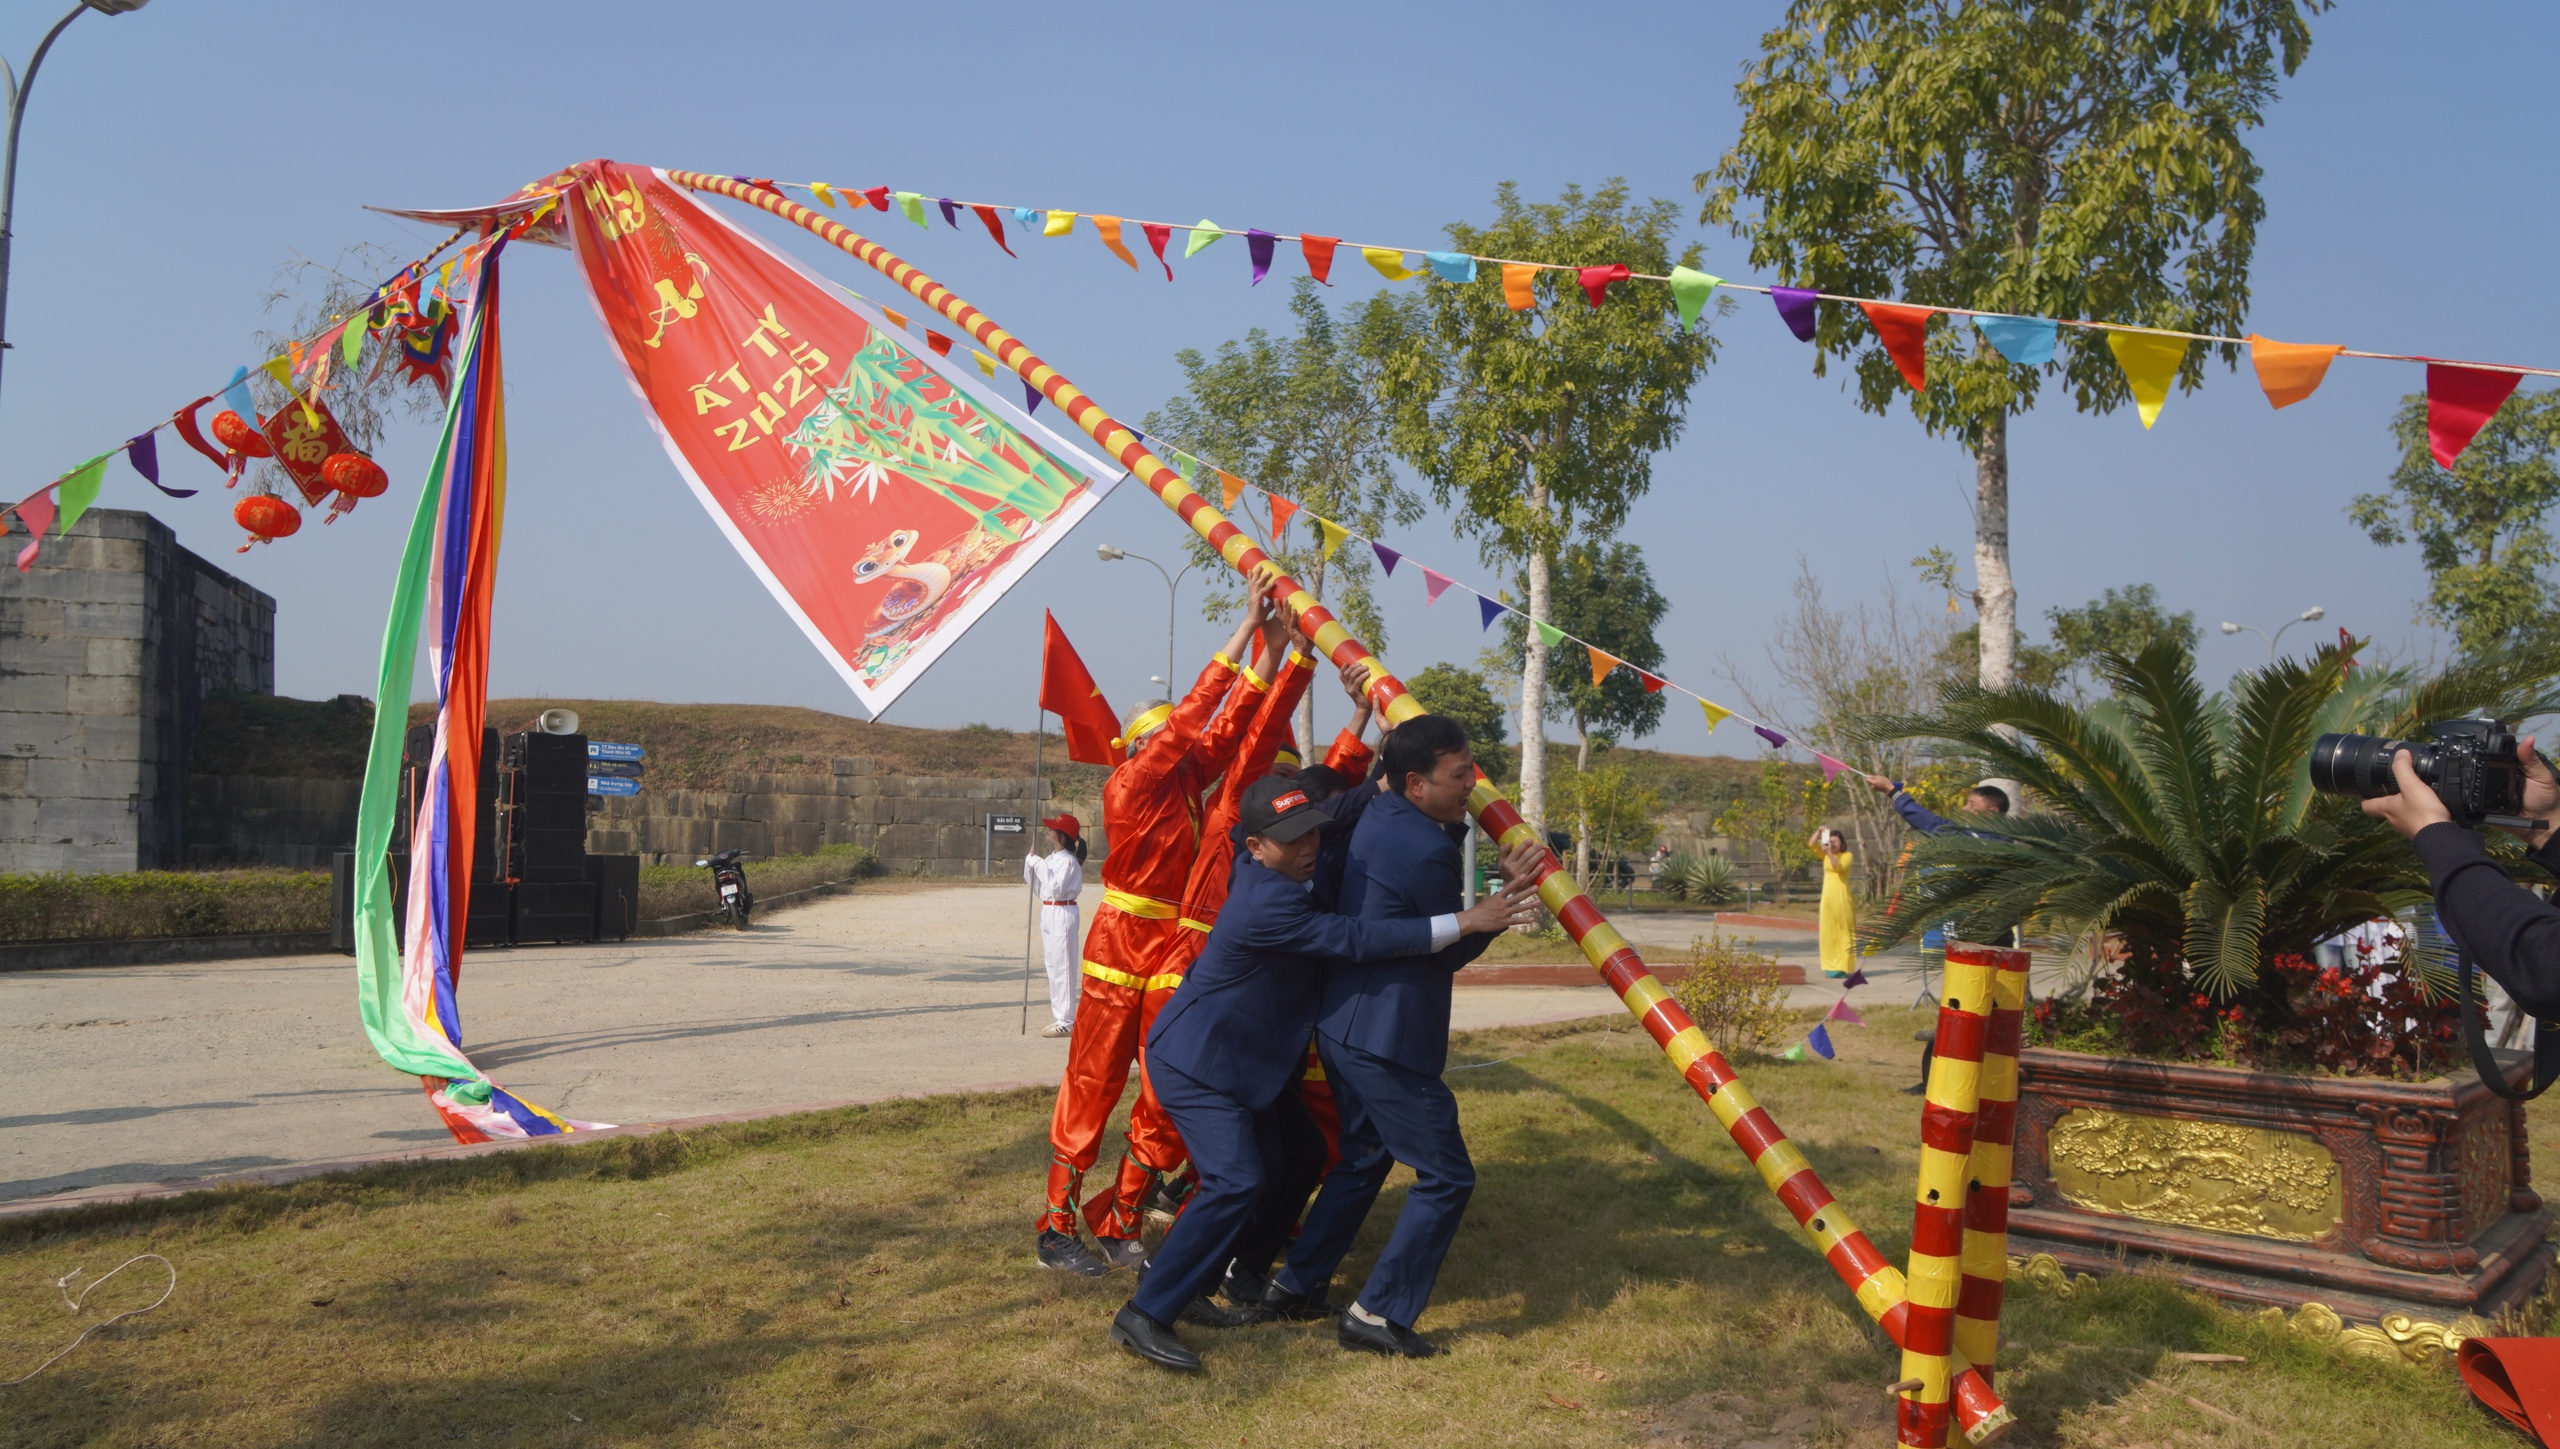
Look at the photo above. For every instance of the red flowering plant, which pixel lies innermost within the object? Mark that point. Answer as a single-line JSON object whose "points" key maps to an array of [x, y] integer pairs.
{"points": [[2182, 828]]}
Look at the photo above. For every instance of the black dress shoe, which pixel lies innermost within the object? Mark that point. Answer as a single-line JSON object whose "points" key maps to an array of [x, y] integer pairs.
{"points": [[1067, 1253], [1387, 1338], [1244, 1290], [1208, 1312], [1151, 1340], [1120, 1252], [1280, 1303]]}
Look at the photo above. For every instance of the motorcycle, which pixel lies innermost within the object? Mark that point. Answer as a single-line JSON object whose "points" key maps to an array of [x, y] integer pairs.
{"points": [[729, 878]]}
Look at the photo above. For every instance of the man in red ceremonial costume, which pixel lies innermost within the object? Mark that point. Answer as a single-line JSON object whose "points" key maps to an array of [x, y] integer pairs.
{"points": [[1151, 824]]}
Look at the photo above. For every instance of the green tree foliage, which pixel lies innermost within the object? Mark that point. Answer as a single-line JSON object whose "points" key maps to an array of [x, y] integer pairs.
{"points": [[2119, 621], [1534, 426], [1601, 593], [2186, 821], [2055, 160], [1446, 689], [2479, 528], [1766, 815], [1307, 417], [1612, 814]]}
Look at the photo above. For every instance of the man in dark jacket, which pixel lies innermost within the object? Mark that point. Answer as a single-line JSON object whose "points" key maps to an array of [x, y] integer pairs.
{"points": [[2506, 930], [1228, 1043], [1383, 1033]]}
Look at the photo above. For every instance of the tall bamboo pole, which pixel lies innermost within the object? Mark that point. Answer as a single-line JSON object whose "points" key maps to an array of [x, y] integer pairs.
{"points": [[1876, 1284]]}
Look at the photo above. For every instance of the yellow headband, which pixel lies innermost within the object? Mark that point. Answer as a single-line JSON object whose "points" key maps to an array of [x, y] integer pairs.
{"points": [[1141, 722], [1286, 753]]}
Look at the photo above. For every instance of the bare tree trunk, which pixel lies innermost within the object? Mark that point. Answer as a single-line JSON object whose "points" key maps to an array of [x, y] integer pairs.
{"points": [[1582, 805], [1533, 684], [1996, 598]]}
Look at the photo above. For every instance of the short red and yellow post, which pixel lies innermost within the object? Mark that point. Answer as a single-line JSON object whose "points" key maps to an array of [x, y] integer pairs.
{"points": [[1985, 1258], [1935, 1272]]}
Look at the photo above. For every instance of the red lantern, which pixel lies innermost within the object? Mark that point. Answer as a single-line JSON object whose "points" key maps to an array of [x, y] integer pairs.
{"points": [[355, 475], [267, 518], [240, 436]]}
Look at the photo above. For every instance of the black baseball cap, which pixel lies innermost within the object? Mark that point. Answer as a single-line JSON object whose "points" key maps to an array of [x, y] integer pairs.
{"points": [[1278, 808]]}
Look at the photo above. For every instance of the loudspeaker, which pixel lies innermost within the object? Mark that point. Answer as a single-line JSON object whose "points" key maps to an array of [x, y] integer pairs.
{"points": [[546, 806], [617, 882], [489, 849], [554, 911], [342, 902]]}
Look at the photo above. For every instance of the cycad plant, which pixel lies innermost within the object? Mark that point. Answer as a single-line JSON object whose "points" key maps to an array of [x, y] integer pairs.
{"points": [[2185, 822]]}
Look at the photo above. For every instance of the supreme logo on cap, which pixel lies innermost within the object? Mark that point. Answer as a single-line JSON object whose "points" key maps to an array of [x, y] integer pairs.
{"points": [[1282, 804]]}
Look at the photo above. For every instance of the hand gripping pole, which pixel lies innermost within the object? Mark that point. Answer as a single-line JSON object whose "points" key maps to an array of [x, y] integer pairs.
{"points": [[1876, 1284]]}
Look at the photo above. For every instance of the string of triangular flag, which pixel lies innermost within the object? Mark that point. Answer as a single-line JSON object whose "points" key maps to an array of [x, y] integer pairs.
{"points": [[303, 370], [1817, 1042], [1331, 535], [2461, 396]]}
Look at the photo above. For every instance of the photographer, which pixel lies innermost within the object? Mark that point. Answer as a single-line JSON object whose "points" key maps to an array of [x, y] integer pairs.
{"points": [[2505, 929]]}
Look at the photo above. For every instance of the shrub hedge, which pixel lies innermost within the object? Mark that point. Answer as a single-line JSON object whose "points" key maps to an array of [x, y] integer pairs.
{"points": [[162, 903]]}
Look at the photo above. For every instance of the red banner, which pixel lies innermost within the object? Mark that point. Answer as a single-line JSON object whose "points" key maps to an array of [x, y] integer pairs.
{"points": [[887, 497]]}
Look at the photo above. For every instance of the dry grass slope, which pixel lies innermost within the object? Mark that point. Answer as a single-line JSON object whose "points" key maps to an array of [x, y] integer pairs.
{"points": [[864, 1277]]}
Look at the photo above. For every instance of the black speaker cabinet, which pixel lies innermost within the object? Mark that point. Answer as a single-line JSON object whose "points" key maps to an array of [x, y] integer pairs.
{"points": [[420, 745], [617, 882], [554, 911]]}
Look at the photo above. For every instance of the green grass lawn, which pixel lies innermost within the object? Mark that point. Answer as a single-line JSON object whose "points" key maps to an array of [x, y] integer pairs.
{"points": [[865, 1277]]}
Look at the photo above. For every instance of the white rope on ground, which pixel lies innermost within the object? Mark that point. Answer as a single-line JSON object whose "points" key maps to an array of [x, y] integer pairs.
{"points": [[71, 1304]]}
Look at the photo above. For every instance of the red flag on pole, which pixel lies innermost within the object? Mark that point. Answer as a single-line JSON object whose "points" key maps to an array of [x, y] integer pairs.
{"points": [[1067, 690]]}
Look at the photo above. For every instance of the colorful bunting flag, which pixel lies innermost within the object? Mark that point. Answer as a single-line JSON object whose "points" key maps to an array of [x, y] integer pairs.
{"points": [[1257, 245], [1282, 510], [1831, 768], [1518, 291], [1157, 235], [1857, 977], [1318, 250], [1387, 557], [995, 226], [1652, 682], [1061, 223], [2460, 402], [1601, 663], [1452, 266], [2288, 372], [1792, 1054], [1230, 488], [1548, 634], [1434, 584], [1904, 331], [986, 364], [1026, 216], [143, 452], [80, 489], [826, 194], [1795, 308], [1841, 1011], [1331, 535], [1389, 262], [896, 319], [1689, 292], [1492, 609], [1716, 714], [912, 203], [1595, 280], [351, 341], [2024, 341], [37, 514], [950, 212], [940, 344], [878, 196], [1109, 229], [2150, 361], [1776, 740], [184, 420], [1204, 235], [1819, 1039], [1030, 398]]}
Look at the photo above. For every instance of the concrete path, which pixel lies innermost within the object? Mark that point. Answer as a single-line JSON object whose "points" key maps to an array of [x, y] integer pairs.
{"points": [[152, 1074]]}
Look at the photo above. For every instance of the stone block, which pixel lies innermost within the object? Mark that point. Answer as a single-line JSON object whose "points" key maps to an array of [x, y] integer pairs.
{"points": [[54, 654], [798, 839], [33, 693], [33, 618], [91, 619], [751, 837], [26, 732], [17, 816], [850, 765], [77, 779], [108, 737], [13, 776], [96, 694], [114, 656], [806, 809], [82, 821]]}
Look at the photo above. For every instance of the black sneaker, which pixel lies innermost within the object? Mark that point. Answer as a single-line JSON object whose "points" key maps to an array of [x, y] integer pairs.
{"points": [[1210, 1313], [1244, 1290], [1165, 1197], [1280, 1303], [1067, 1253], [1120, 1253], [1354, 1332]]}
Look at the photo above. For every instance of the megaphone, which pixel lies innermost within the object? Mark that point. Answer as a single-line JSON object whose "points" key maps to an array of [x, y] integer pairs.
{"points": [[557, 722]]}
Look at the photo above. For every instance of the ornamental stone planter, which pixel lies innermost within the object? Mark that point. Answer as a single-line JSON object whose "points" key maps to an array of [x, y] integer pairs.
{"points": [[2371, 1197]]}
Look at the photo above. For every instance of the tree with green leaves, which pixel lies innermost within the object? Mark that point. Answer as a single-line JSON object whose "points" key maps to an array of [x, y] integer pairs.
{"points": [[1538, 426], [2479, 527], [2119, 621], [1307, 417], [1446, 689], [1602, 594], [2083, 160], [1613, 815]]}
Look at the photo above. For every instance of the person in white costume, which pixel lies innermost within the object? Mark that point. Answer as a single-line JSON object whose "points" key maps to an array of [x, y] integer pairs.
{"points": [[1059, 876]]}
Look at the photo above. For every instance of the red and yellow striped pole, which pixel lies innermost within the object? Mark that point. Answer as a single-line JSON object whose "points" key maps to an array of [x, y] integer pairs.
{"points": [[1878, 1288], [1937, 1211], [1985, 1258]]}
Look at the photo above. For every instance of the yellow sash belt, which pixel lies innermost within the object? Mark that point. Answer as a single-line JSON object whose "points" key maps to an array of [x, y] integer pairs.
{"points": [[1147, 906]]}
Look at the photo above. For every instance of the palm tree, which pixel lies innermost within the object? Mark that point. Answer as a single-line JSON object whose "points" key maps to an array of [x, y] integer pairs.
{"points": [[2186, 822]]}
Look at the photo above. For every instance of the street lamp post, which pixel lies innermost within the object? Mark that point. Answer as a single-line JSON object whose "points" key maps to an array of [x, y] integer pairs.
{"points": [[2306, 616], [1108, 554], [19, 85]]}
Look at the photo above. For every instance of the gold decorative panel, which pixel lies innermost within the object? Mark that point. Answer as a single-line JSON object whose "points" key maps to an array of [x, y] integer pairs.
{"points": [[2216, 1175], [2488, 1153]]}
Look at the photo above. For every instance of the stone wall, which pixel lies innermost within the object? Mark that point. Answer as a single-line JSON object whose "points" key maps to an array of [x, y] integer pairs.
{"points": [[251, 820], [108, 647], [917, 823]]}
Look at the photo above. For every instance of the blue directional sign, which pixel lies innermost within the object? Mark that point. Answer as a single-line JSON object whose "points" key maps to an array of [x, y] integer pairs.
{"points": [[617, 769], [599, 785], [605, 750]]}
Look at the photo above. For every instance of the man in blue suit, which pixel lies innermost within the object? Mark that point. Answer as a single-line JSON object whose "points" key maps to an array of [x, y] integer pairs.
{"points": [[1383, 1032], [1231, 1038]]}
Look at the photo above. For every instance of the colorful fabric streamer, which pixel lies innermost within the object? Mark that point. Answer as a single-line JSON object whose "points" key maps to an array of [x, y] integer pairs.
{"points": [[2288, 372], [1434, 584], [1387, 557], [1716, 714], [1203, 236], [2024, 341], [1060, 223], [1108, 228], [2150, 361], [1904, 331], [1389, 263], [994, 225], [1318, 250], [1492, 609], [36, 512], [1157, 236], [1519, 286], [1796, 309], [1689, 292], [1282, 510], [1451, 266], [1776, 740], [1258, 245], [1841, 1011], [1819, 1041], [1595, 281], [2460, 402]]}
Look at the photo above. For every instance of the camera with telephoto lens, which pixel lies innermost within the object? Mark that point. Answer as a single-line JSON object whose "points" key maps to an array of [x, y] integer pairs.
{"points": [[2471, 763]]}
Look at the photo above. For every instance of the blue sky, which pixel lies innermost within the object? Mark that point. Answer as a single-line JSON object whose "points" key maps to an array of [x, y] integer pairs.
{"points": [[174, 158]]}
